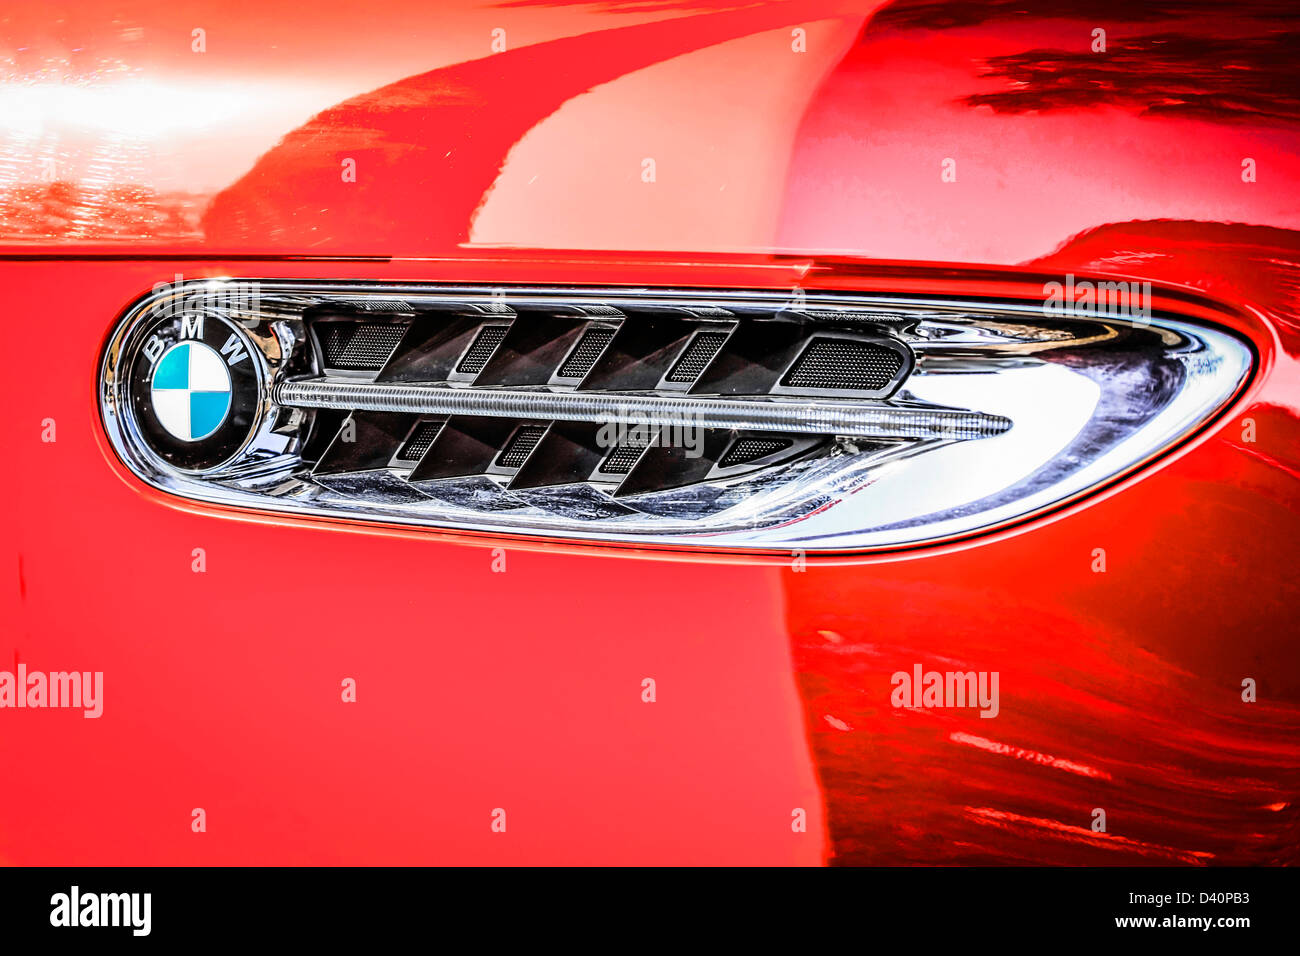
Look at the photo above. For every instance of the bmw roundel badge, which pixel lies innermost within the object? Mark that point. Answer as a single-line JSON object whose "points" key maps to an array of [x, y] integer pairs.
{"points": [[190, 393], [195, 390]]}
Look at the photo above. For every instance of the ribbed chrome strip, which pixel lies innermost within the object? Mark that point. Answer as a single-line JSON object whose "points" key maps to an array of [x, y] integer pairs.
{"points": [[790, 417]]}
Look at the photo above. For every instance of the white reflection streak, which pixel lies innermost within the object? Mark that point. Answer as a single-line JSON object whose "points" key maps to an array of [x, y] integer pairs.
{"points": [[142, 108], [102, 171], [99, 134]]}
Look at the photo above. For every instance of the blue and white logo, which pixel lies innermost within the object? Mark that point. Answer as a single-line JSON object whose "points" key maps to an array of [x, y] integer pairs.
{"points": [[190, 391]]}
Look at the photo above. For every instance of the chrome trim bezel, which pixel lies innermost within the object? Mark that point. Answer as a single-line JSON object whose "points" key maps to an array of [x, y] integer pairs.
{"points": [[269, 447], [129, 336]]}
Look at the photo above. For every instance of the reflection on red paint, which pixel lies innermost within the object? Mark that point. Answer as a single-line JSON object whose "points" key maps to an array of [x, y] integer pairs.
{"points": [[1120, 691], [1055, 830], [1020, 753]]}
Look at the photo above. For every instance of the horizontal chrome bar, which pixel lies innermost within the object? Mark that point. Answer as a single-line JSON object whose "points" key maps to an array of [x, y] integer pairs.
{"points": [[792, 417]]}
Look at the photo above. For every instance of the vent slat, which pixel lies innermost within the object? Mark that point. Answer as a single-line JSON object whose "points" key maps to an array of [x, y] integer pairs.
{"points": [[695, 358], [532, 350], [746, 450], [569, 453], [640, 353], [364, 441], [621, 459], [419, 441], [431, 349], [676, 460], [466, 445], [519, 446], [753, 359], [324, 428]]}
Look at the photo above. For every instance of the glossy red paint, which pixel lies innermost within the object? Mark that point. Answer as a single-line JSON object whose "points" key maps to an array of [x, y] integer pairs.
{"points": [[479, 690]]}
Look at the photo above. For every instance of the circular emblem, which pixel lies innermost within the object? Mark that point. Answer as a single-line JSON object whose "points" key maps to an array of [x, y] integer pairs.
{"points": [[191, 391], [195, 389]]}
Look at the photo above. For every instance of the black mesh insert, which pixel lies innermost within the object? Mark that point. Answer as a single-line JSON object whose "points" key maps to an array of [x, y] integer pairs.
{"points": [[746, 450], [585, 353], [521, 443], [418, 442], [621, 459], [485, 343], [362, 346], [696, 356], [844, 365]]}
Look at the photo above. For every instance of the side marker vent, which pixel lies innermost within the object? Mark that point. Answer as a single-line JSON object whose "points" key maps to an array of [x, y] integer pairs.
{"points": [[722, 419]]}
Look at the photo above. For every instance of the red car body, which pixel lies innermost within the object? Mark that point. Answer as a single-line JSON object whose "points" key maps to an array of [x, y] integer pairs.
{"points": [[792, 145]]}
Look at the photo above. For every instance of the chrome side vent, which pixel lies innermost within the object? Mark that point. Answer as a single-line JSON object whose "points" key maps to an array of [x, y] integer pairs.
{"points": [[722, 419]]}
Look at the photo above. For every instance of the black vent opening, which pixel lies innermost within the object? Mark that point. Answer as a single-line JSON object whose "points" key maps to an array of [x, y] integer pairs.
{"points": [[360, 346], [844, 365]]}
